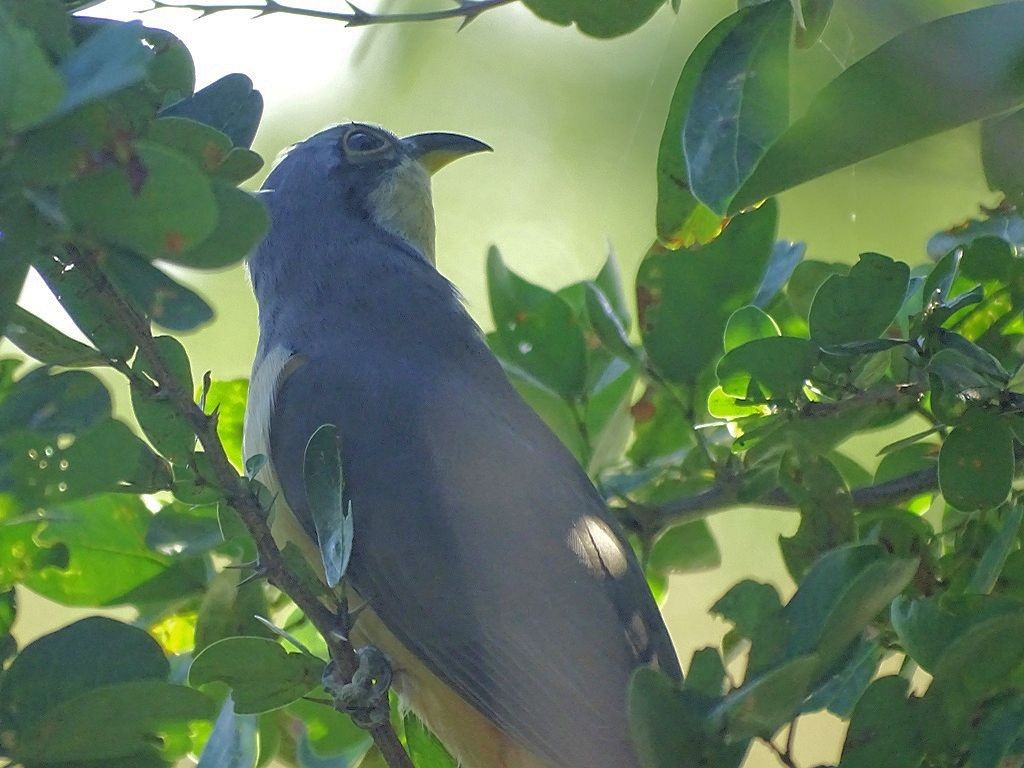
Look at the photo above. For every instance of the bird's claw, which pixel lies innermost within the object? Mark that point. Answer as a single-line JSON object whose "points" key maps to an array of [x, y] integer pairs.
{"points": [[365, 698]]}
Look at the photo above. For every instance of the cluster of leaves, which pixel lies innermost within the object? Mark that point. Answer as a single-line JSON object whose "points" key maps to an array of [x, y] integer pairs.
{"points": [[754, 370]]}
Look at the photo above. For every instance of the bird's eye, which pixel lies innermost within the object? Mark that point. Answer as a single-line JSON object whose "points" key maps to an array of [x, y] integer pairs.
{"points": [[360, 141]]}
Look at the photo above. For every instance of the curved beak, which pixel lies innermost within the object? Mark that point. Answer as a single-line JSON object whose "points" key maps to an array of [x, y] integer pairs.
{"points": [[435, 150]]}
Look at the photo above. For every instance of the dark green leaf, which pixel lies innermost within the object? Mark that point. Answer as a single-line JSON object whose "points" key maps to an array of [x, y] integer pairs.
{"points": [[885, 728], [48, 345], [87, 307], [861, 305], [976, 463], [52, 404], [991, 564], [807, 277], [112, 58], [229, 104], [538, 330], [682, 220], [110, 722], [749, 605], [685, 548], [261, 674], [239, 165], [842, 690], [668, 726], [168, 430], [323, 476], [31, 89], [49, 21], [882, 101], [609, 281], [740, 104], [607, 325], [765, 704], [156, 295], [233, 741], [329, 732], [424, 748], [1002, 146], [241, 224], [596, 19], [682, 329], [1005, 226], [58, 667], [661, 427], [997, 733], [706, 674], [773, 368]]}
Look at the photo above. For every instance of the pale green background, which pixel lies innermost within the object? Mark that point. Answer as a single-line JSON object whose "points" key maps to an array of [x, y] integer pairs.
{"points": [[575, 125]]}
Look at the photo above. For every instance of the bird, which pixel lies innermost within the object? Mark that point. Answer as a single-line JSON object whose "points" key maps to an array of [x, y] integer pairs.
{"points": [[496, 582]]}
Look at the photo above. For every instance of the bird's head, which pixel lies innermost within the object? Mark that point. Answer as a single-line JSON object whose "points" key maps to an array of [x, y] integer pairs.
{"points": [[373, 174]]}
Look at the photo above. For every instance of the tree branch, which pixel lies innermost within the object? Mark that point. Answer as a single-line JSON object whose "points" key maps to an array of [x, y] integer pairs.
{"points": [[467, 10], [238, 494]]}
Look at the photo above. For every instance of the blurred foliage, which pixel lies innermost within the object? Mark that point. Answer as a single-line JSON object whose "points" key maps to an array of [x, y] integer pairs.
{"points": [[743, 378]]}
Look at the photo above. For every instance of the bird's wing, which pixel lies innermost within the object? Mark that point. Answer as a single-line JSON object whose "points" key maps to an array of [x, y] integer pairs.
{"points": [[481, 545]]}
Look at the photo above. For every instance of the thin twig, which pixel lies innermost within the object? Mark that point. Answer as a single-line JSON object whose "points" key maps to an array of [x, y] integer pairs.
{"points": [[238, 493], [784, 757], [467, 10]]}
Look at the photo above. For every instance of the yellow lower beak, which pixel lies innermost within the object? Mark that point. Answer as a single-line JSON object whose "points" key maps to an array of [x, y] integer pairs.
{"points": [[435, 150]]}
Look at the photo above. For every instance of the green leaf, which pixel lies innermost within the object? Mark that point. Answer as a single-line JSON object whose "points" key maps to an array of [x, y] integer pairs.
{"points": [[261, 673], [609, 282], [537, 329], [239, 165], [844, 591], [48, 345], [807, 277], [203, 145], [242, 222], [110, 722], [87, 308], [668, 726], [815, 16], [886, 728], [762, 706], [661, 428], [158, 203], [882, 101], [842, 690], [596, 19], [1007, 226], [685, 548], [229, 104], [108, 562], [748, 324], [58, 667], [229, 609], [233, 741], [228, 399], [323, 476], [740, 104], [50, 404], [424, 748], [1002, 146], [329, 732], [607, 325], [111, 59], [682, 220], [31, 89], [184, 529], [997, 734], [168, 430], [861, 305], [706, 674], [773, 368], [976, 463], [49, 21], [987, 571], [155, 294], [684, 298]]}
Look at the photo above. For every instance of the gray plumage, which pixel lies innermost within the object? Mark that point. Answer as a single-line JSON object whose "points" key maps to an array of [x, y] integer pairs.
{"points": [[479, 541]]}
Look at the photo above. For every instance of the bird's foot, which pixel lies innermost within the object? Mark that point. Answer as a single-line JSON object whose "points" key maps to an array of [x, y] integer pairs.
{"points": [[365, 698]]}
